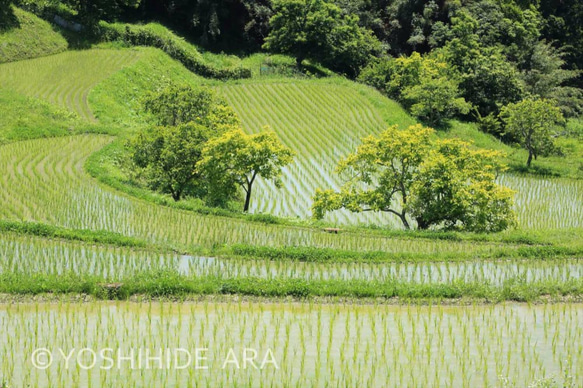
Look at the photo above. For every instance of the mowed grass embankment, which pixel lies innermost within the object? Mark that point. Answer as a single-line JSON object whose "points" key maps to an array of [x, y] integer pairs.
{"points": [[65, 79], [117, 100], [27, 36]]}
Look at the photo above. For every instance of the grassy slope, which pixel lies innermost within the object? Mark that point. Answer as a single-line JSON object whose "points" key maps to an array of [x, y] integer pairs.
{"points": [[300, 111], [28, 118], [116, 99], [65, 79], [30, 38], [568, 165]]}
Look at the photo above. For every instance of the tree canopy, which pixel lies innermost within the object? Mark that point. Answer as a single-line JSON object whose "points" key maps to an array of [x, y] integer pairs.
{"points": [[179, 104], [237, 159], [436, 183], [532, 122], [318, 30], [165, 155], [426, 85]]}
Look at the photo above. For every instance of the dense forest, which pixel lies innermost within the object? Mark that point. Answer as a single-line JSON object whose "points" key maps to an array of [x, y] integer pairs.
{"points": [[403, 26]]}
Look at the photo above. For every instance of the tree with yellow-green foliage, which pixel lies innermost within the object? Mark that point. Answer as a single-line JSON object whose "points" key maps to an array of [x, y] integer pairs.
{"points": [[425, 85], [436, 183], [237, 159]]}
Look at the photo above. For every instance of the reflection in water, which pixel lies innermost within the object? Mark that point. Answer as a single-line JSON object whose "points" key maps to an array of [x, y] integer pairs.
{"points": [[492, 272], [313, 344]]}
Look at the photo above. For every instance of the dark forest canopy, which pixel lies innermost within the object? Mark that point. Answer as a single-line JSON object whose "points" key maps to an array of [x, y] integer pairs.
{"points": [[404, 26]]}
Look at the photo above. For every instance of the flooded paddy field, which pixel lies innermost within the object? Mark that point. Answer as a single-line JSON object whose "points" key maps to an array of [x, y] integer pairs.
{"points": [[288, 344]]}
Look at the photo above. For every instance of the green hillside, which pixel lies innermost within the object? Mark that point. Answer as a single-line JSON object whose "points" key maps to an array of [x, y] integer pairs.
{"points": [[29, 118], [65, 79], [322, 120], [30, 37]]}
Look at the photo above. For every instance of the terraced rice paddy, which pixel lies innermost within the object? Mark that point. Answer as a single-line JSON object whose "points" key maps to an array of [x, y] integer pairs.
{"points": [[44, 181], [547, 203], [322, 123], [325, 122], [336, 345], [311, 344], [65, 79], [33, 255]]}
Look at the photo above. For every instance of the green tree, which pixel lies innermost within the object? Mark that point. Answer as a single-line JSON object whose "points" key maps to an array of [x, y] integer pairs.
{"points": [[91, 12], [436, 99], [318, 30], [179, 104], [563, 26], [456, 188], [435, 94], [237, 159], [532, 122], [167, 156], [425, 85], [545, 76], [487, 79], [7, 18], [436, 182]]}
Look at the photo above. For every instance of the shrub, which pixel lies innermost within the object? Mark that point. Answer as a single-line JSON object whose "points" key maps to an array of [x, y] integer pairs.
{"points": [[155, 35]]}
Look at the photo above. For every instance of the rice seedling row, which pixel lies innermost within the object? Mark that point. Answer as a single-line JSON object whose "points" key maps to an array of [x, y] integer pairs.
{"points": [[311, 344], [44, 180], [34, 255], [325, 122], [65, 79]]}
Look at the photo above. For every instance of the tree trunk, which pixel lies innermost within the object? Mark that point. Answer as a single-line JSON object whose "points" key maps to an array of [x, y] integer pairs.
{"points": [[247, 198], [299, 61], [405, 222], [529, 159]]}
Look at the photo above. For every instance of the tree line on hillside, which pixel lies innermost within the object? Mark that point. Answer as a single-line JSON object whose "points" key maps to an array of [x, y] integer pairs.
{"points": [[401, 26]]}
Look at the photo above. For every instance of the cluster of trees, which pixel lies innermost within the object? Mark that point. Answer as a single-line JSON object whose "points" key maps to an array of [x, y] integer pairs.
{"points": [[197, 148], [481, 65], [437, 183], [426, 85], [6, 15], [318, 30], [403, 26]]}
